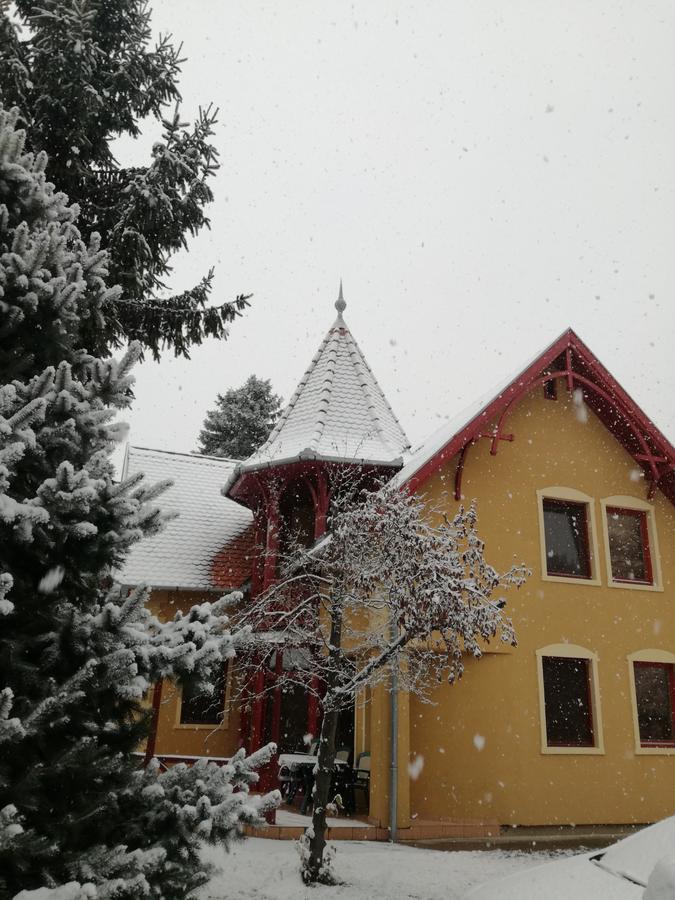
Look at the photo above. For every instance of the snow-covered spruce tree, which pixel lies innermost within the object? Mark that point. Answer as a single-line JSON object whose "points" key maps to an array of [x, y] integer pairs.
{"points": [[395, 589], [75, 654], [241, 421], [82, 74]]}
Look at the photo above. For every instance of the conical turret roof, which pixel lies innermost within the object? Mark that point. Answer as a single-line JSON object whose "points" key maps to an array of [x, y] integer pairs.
{"points": [[337, 413]]}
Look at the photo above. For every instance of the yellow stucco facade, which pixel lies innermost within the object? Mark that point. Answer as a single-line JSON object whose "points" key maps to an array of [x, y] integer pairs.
{"points": [[174, 740], [483, 742]]}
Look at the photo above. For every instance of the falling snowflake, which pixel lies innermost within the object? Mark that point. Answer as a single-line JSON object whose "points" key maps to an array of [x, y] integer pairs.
{"points": [[580, 410], [415, 767], [51, 580]]}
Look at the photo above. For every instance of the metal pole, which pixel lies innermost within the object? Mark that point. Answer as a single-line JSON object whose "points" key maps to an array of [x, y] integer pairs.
{"points": [[393, 782]]}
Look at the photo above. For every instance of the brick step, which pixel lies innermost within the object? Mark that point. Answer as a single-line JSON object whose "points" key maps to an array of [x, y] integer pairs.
{"points": [[418, 831], [581, 838], [293, 832]]}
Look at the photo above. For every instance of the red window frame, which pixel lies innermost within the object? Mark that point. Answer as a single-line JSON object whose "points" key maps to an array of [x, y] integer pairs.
{"points": [[640, 663], [590, 712], [640, 514], [569, 504]]}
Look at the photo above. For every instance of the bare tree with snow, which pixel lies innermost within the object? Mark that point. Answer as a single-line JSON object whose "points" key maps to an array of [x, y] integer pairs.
{"points": [[396, 587]]}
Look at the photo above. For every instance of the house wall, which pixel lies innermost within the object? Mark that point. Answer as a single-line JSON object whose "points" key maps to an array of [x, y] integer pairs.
{"points": [[481, 742], [189, 740]]}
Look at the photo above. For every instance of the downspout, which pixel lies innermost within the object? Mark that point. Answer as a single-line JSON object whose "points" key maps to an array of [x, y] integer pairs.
{"points": [[393, 784], [393, 773]]}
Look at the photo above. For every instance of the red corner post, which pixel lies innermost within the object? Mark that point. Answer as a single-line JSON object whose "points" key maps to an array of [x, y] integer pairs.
{"points": [[154, 722]]}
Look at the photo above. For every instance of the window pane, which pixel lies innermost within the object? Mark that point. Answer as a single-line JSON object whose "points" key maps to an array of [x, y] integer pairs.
{"points": [[569, 722], [627, 533], [566, 536], [653, 690], [199, 708]]}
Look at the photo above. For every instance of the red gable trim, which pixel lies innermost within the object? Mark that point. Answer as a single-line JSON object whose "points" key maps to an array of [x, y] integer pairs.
{"points": [[616, 409]]}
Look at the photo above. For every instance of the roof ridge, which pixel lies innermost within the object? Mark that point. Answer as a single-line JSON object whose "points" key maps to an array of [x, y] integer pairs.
{"points": [[327, 390], [295, 397], [362, 361], [355, 352], [192, 456]]}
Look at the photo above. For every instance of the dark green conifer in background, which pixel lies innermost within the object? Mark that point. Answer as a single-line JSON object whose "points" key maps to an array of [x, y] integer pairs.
{"points": [[241, 420]]}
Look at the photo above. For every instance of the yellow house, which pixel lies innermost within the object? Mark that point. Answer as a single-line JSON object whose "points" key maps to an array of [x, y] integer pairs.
{"points": [[574, 725]]}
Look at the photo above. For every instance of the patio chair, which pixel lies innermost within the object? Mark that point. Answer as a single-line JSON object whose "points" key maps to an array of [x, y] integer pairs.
{"points": [[360, 782], [349, 782]]}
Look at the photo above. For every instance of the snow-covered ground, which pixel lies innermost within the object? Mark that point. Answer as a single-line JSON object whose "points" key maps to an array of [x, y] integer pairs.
{"points": [[260, 869]]}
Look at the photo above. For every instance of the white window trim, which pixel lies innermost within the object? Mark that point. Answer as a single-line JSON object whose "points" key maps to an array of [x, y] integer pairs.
{"points": [[558, 492], [573, 651], [209, 726], [646, 656], [626, 502]]}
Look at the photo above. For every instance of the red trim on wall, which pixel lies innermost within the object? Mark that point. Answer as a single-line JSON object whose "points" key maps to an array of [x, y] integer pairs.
{"points": [[257, 710], [154, 722], [460, 470], [276, 697]]}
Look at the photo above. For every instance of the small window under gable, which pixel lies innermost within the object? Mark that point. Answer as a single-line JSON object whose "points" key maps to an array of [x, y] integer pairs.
{"points": [[550, 389]]}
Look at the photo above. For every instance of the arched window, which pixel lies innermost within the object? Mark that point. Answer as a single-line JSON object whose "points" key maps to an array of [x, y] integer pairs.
{"points": [[569, 700], [568, 537], [296, 515], [631, 546]]}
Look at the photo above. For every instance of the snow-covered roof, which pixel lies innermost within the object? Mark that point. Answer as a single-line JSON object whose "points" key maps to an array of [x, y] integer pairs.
{"points": [[208, 546], [338, 411]]}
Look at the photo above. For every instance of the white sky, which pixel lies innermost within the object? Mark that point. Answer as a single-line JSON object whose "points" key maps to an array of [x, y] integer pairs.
{"points": [[482, 175]]}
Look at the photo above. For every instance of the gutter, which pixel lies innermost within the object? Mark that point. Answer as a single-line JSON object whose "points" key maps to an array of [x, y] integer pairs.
{"points": [[244, 468]]}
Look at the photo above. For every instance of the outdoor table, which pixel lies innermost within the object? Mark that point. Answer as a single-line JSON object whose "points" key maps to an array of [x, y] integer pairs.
{"points": [[300, 767]]}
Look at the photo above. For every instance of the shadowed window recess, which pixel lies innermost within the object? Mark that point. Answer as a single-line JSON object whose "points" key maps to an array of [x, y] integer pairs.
{"points": [[655, 698], [197, 707], [567, 698]]}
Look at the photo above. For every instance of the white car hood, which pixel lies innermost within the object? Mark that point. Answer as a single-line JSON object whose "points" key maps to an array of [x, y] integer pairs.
{"points": [[634, 857], [574, 878], [620, 872]]}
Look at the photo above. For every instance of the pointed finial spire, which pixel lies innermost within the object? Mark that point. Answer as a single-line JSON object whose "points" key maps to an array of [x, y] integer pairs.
{"points": [[340, 302]]}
